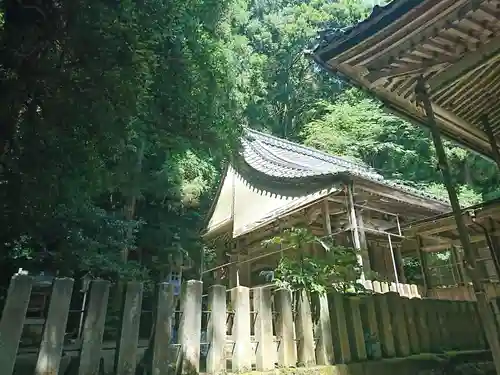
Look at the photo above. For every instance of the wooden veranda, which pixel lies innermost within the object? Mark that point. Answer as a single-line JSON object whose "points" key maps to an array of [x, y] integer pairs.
{"points": [[439, 234]]}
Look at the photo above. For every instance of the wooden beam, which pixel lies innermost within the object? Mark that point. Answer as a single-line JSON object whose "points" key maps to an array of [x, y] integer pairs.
{"points": [[448, 223], [406, 197], [413, 70], [376, 75], [402, 39], [442, 224], [437, 229], [467, 62]]}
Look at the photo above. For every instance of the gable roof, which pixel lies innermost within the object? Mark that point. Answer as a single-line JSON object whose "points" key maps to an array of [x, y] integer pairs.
{"points": [[272, 177]]}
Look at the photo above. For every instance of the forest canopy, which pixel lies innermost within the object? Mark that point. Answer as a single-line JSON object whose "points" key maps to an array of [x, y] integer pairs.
{"points": [[118, 116]]}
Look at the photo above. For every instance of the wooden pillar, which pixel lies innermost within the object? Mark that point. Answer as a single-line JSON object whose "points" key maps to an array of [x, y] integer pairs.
{"points": [[327, 224], [399, 264], [233, 271], [365, 251], [393, 259], [221, 259], [244, 272], [423, 266], [495, 242], [355, 229], [485, 312], [491, 138], [457, 259]]}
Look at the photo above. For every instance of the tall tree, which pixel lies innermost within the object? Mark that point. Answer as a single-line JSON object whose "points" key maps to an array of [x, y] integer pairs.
{"points": [[109, 109]]}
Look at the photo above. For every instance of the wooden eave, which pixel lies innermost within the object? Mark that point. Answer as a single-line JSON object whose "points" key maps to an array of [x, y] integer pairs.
{"points": [[454, 44], [440, 232], [398, 197]]}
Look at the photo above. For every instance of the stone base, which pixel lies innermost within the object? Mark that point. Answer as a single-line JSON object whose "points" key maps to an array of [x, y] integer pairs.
{"points": [[459, 363]]}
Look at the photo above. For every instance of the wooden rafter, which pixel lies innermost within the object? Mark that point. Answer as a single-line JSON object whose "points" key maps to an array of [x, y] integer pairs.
{"points": [[464, 35], [469, 61]]}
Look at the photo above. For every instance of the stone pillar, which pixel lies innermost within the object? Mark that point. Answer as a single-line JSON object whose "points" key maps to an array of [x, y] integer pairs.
{"points": [[385, 325], [163, 329], [370, 324], [216, 330], [340, 334], [324, 345], [93, 328], [287, 351], [355, 328], [242, 353], [54, 330], [263, 329], [409, 312], [444, 323], [420, 314], [400, 330], [304, 329], [126, 348], [12, 320], [190, 328], [476, 322]]}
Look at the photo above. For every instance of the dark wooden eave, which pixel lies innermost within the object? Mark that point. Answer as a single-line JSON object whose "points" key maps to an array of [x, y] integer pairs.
{"points": [[440, 232], [454, 44]]}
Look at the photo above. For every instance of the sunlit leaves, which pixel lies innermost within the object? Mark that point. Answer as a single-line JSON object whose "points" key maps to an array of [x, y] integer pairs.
{"points": [[337, 269]]}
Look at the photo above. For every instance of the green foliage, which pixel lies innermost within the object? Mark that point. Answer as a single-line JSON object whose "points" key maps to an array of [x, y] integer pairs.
{"points": [[336, 270], [117, 117], [356, 127]]}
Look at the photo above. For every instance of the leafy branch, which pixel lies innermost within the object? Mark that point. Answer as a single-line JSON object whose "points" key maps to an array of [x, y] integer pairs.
{"points": [[334, 269]]}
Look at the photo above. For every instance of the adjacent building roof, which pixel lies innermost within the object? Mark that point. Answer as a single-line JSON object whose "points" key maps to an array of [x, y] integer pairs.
{"points": [[287, 162], [453, 44], [272, 177]]}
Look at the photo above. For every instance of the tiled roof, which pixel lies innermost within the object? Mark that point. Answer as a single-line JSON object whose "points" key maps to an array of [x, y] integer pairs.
{"points": [[342, 39], [280, 159]]}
